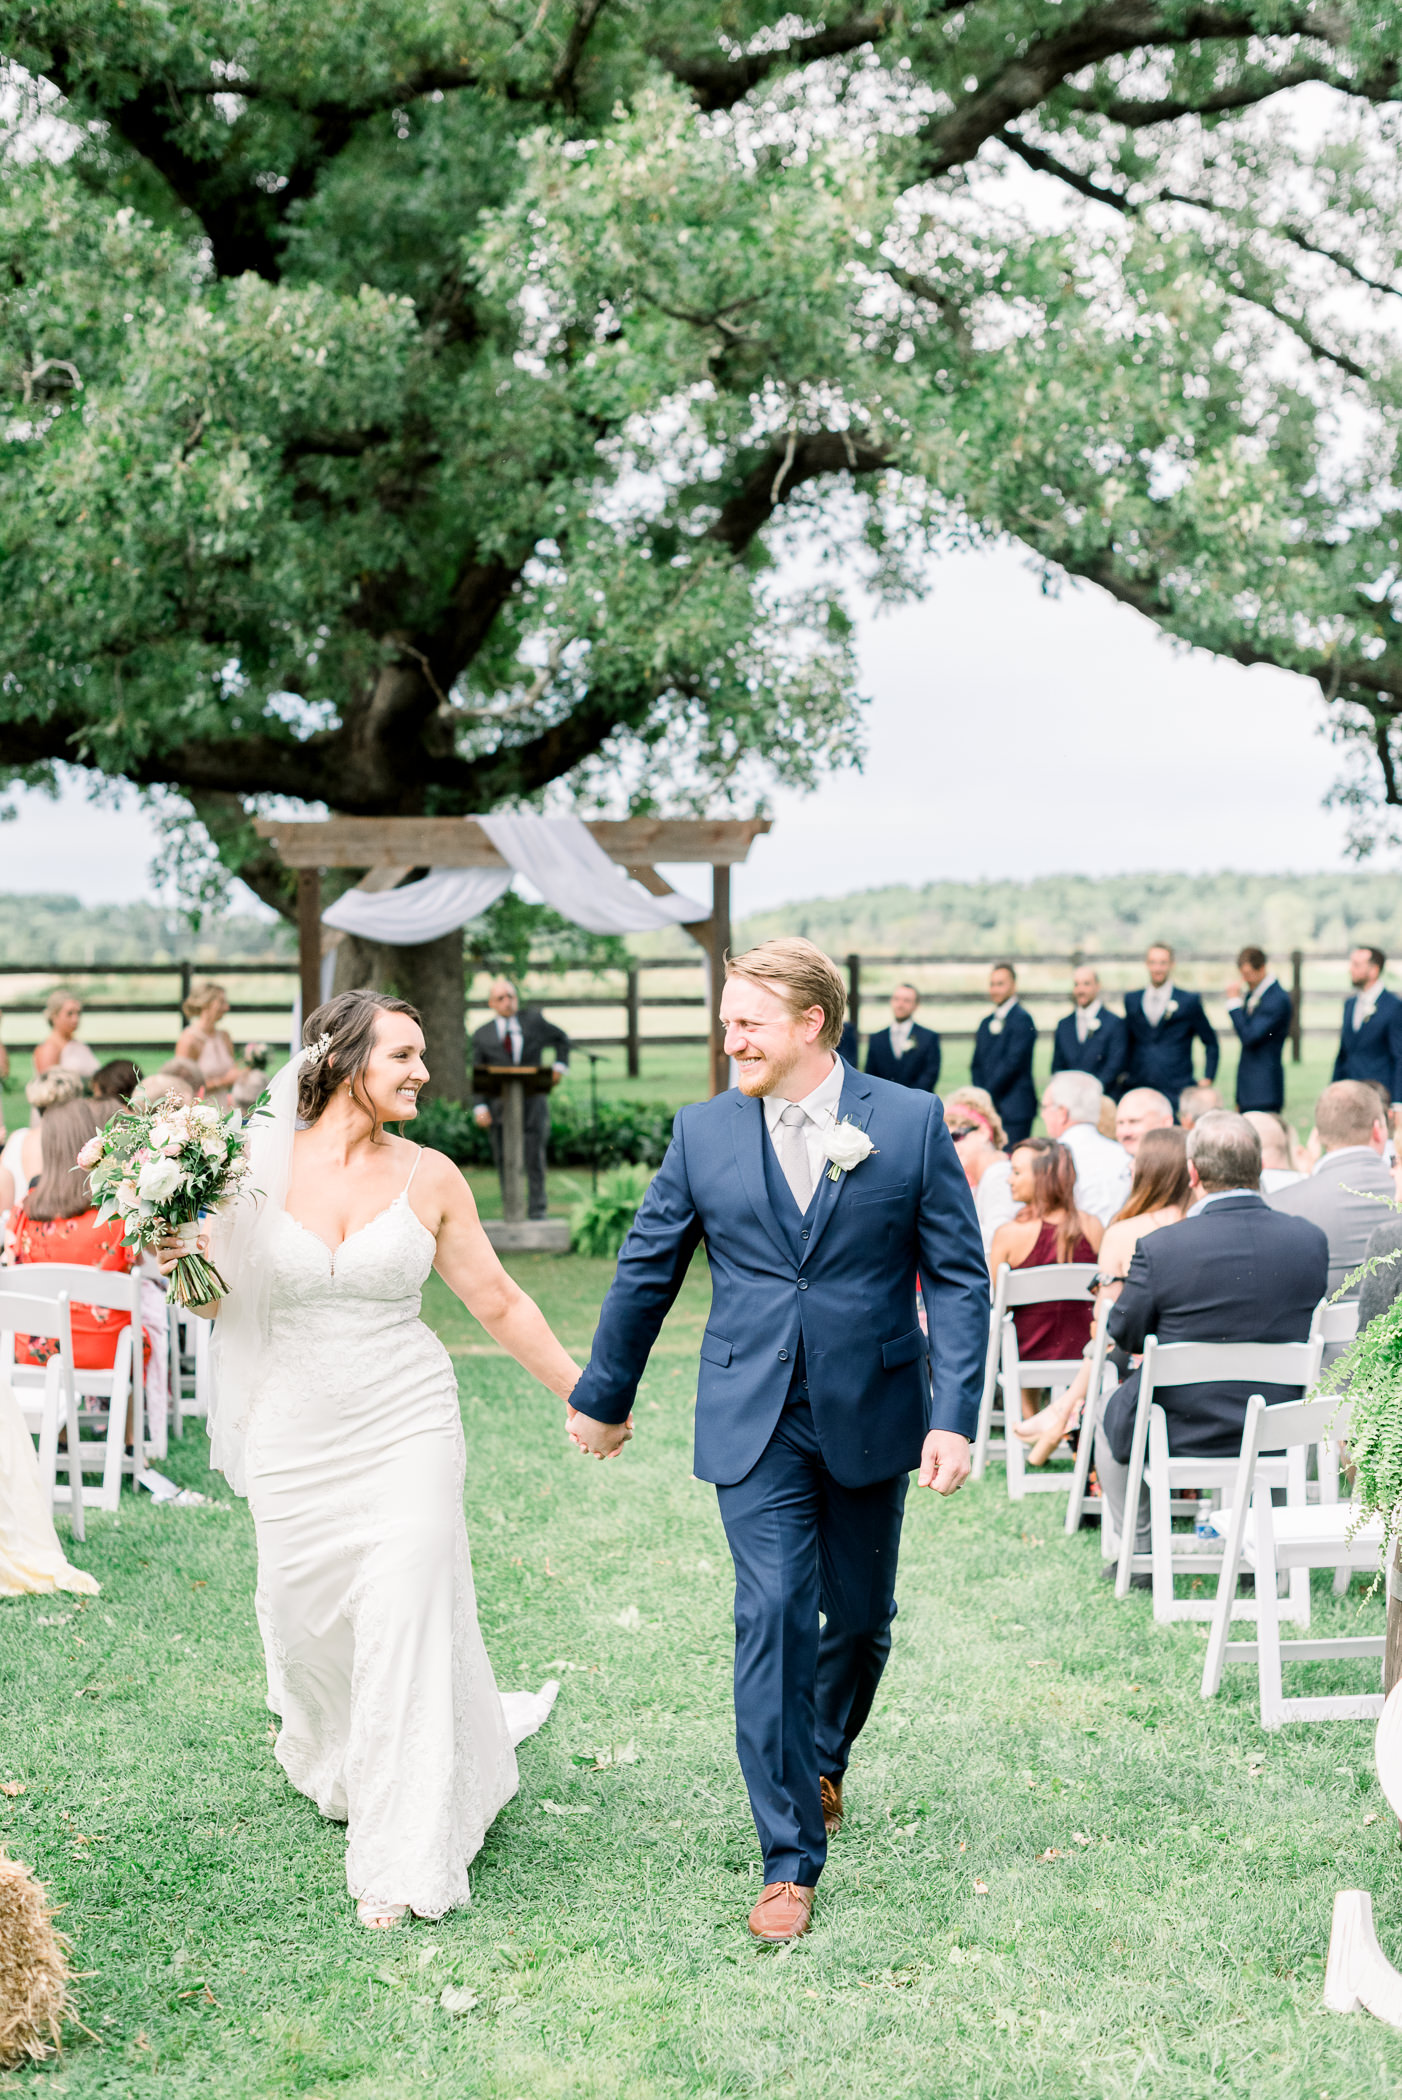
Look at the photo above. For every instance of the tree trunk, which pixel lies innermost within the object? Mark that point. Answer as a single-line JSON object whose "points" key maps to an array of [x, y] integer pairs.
{"points": [[431, 978]]}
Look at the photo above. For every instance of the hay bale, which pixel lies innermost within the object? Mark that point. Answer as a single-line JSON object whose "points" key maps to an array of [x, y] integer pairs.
{"points": [[33, 1969]]}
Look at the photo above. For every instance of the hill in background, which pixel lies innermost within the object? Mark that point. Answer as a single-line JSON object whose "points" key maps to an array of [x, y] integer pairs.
{"points": [[1206, 914], [43, 929]]}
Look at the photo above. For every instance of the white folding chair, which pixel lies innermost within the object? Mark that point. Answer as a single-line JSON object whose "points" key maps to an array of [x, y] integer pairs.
{"points": [[53, 1403], [189, 1344], [1103, 1380], [1335, 1323], [1049, 1284], [1201, 1363], [1297, 1538], [104, 1397]]}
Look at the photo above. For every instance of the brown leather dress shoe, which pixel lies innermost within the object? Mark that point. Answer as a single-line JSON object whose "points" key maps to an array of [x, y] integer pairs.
{"points": [[784, 1911], [831, 1793]]}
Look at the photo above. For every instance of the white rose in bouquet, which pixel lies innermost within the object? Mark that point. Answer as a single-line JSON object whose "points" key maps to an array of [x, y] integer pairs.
{"points": [[158, 1179]]}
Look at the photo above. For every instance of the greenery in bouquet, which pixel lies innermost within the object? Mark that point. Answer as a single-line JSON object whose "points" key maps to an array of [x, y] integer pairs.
{"points": [[160, 1171]]}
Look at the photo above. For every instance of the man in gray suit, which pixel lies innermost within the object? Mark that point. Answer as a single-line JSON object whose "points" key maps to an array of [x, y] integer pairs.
{"points": [[1351, 1184]]}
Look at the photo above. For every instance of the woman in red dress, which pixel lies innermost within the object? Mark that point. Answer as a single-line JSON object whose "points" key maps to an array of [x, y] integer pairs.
{"points": [[1048, 1228], [57, 1221]]}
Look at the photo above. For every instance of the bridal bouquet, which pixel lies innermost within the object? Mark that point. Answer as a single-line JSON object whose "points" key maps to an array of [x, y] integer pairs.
{"points": [[159, 1171]]}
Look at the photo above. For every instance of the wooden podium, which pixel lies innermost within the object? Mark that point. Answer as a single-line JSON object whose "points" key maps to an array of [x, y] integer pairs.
{"points": [[514, 1231]]}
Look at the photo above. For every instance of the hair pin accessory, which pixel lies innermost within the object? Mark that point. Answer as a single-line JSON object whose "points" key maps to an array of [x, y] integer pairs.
{"points": [[317, 1050]]}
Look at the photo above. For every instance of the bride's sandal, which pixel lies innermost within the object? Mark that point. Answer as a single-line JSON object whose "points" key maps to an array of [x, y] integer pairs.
{"points": [[379, 1917]]}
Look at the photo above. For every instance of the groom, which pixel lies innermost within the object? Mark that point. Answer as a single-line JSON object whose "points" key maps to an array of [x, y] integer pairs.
{"points": [[818, 1393]]}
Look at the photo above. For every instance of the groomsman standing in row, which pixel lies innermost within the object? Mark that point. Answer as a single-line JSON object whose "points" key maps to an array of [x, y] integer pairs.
{"points": [[1091, 1038], [1371, 1044], [1164, 1022], [905, 1052], [1003, 1048], [1261, 1018]]}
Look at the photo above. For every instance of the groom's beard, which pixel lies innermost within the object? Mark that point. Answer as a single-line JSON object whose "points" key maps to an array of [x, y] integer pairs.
{"points": [[769, 1078]]}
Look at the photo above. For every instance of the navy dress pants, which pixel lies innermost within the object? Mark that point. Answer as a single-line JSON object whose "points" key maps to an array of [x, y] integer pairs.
{"points": [[803, 1544]]}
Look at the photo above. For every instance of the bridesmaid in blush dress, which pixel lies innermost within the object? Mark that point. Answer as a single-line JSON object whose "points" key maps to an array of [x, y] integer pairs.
{"points": [[336, 1412]]}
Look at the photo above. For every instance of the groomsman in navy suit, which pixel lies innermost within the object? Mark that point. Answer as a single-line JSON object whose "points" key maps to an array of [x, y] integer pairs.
{"points": [[1092, 1039], [905, 1051], [1261, 1018], [1370, 1046], [1003, 1050], [1164, 1021]]}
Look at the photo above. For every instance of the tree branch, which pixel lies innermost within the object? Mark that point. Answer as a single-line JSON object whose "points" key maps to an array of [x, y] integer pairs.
{"points": [[1136, 114], [717, 82]]}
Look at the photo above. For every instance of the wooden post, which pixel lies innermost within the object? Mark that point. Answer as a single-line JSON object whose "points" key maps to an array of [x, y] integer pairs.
{"points": [[1297, 1005], [854, 992], [513, 1151], [309, 938], [633, 1042], [719, 945]]}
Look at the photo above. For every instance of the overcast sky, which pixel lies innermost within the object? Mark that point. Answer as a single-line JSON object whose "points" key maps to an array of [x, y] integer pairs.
{"points": [[1009, 735]]}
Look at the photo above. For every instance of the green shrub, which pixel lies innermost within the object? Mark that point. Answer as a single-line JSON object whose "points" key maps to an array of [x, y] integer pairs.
{"points": [[600, 1225], [630, 1133]]}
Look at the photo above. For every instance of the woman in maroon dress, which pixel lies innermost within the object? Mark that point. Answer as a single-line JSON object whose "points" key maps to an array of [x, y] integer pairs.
{"points": [[1048, 1228]]}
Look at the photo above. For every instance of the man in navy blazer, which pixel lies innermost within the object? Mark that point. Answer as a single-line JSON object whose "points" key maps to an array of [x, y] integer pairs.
{"points": [[1227, 1273], [905, 1052], [1261, 1017], [1003, 1049], [1092, 1038], [1370, 1046], [1164, 1022], [818, 1391]]}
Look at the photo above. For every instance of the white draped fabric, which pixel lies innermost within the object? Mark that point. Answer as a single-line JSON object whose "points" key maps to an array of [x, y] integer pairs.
{"points": [[559, 855]]}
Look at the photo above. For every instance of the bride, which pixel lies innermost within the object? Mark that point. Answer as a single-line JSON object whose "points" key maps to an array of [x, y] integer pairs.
{"points": [[336, 1413]]}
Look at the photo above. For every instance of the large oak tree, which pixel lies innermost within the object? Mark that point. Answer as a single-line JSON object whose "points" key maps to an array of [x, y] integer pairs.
{"points": [[405, 401]]}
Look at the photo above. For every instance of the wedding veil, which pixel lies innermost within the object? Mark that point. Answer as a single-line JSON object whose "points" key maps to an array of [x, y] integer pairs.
{"points": [[243, 1252]]}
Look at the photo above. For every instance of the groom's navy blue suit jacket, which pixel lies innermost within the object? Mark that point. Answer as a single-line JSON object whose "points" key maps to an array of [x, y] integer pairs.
{"points": [[838, 1283]]}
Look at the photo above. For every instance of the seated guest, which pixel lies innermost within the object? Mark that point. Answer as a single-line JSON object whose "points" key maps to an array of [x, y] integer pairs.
{"points": [[905, 1051], [1383, 1281], [1164, 1022], [1261, 1015], [1159, 1196], [1196, 1100], [1091, 1038], [57, 1221], [1278, 1170], [1003, 1049], [1140, 1109], [1341, 1195], [1235, 1270], [21, 1158], [115, 1081], [1071, 1111], [1048, 1228], [974, 1124], [1370, 1042]]}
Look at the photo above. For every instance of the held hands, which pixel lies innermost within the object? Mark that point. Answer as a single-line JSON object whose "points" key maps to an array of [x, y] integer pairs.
{"points": [[169, 1250], [944, 1461], [596, 1439]]}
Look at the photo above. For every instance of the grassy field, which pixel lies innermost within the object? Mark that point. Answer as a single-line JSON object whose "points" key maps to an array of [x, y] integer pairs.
{"points": [[1062, 1873]]}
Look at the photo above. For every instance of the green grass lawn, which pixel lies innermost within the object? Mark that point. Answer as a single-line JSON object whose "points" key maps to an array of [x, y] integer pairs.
{"points": [[1159, 1874]]}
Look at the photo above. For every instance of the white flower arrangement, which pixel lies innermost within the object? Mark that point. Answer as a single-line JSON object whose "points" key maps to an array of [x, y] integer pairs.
{"points": [[845, 1145], [160, 1171]]}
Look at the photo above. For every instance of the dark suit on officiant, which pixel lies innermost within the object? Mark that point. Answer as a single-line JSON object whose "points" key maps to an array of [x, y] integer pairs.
{"points": [[523, 1040], [816, 1390]]}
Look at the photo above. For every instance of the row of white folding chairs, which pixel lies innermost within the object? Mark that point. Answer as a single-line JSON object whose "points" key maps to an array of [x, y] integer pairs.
{"points": [[103, 1400], [1050, 1284]]}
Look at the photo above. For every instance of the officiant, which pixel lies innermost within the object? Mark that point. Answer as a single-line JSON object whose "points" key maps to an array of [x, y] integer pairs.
{"points": [[514, 1037]]}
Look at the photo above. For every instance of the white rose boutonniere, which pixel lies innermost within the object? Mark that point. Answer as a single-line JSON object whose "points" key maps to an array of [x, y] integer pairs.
{"points": [[846, 1147], [1170, 1009], [1091, 1026]]}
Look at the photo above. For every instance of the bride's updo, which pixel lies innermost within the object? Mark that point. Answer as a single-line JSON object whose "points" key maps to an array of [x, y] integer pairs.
{"points": [[348, 1023]]}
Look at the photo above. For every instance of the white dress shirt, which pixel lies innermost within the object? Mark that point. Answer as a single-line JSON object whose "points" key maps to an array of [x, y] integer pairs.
{"points": [[1365, 1001], [1087, 1017], [994, 1200], [1273, 1178], [820, 1108], [900, 1036], [1157, 1000], [1253, 997], [1000, 1014], [1104, 1170], [509, 1036]]}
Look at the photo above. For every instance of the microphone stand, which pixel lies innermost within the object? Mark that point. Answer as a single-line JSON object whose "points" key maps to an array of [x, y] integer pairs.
{"points": [[596, 1058]]}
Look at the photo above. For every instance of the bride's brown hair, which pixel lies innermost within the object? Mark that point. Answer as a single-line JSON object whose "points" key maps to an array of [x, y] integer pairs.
{"points": [[349, 1022]]}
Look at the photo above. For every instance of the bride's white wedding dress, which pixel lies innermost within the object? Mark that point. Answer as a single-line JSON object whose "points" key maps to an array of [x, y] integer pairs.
{"points": [[391, 1718]]}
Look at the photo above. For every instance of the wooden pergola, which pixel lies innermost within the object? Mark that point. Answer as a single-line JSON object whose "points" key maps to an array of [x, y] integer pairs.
{"points": [[390, 848]]}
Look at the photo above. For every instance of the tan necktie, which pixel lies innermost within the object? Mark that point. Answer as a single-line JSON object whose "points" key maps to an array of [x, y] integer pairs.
{"points": [[792, 1152]]}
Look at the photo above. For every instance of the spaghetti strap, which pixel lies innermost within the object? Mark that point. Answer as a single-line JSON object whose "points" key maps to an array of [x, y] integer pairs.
{"points": [[418, 1155]]}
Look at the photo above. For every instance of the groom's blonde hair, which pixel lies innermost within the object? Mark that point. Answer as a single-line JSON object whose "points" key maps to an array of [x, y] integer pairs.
{"points": [[802, 976]]}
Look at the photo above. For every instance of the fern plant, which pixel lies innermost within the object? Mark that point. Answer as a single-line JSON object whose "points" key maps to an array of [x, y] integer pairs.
{"points": [[1370, 1373], [600, 1225]]}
